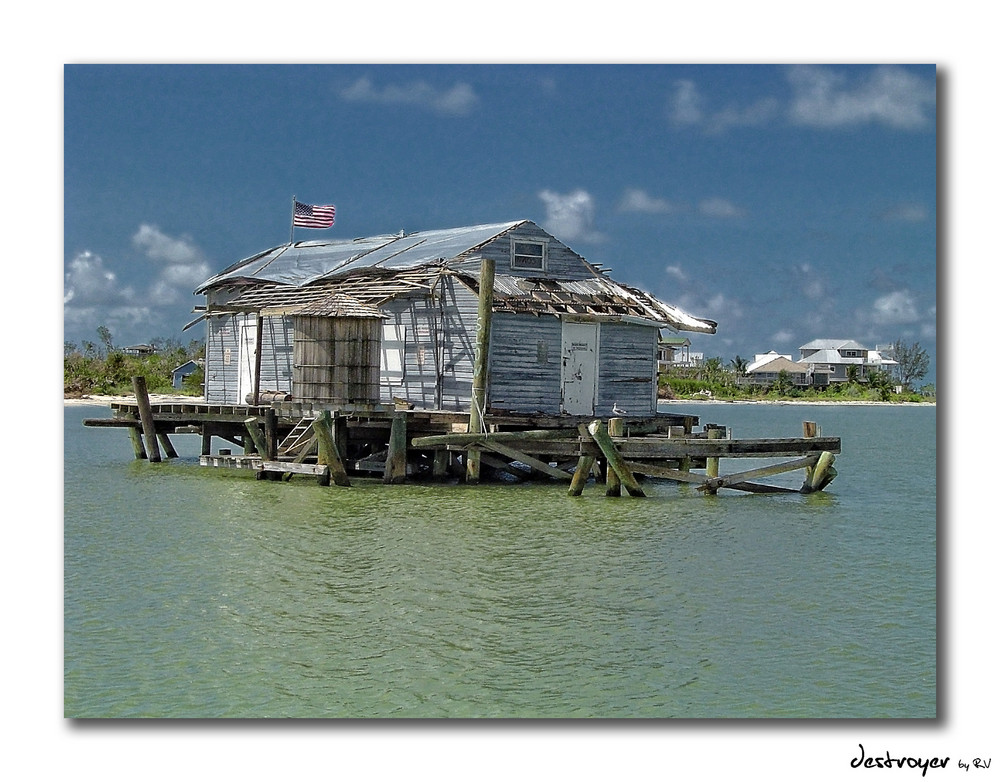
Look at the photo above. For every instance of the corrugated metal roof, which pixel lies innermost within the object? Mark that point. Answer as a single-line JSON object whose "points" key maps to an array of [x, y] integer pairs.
{"points": [[304, 263], [375, 269]]}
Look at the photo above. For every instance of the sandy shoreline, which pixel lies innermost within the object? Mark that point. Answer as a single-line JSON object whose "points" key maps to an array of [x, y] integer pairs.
{"points": [[98, 399]]}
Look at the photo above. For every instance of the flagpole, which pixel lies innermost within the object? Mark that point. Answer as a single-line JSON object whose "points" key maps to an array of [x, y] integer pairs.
{"points": [[291, 233]]}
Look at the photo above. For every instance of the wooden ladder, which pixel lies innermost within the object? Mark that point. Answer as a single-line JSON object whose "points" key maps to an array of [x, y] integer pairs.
{"points": [[301, 437]]}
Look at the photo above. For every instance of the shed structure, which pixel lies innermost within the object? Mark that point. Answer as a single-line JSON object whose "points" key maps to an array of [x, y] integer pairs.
{"points": [[564, 338]]}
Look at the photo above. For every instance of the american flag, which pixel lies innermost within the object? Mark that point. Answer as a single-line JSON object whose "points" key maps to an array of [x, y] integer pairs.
{"points": [[307, 216]]}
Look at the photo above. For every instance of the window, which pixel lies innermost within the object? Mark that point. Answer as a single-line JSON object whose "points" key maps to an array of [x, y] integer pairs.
{"points": [[527, 255]]}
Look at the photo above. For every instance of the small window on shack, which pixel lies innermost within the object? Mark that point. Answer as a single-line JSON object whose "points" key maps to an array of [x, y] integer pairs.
{"points": [[527, 255]]}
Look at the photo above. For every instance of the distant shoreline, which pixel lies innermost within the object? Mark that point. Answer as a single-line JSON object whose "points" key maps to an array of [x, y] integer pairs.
{"points": [[101, 399]]}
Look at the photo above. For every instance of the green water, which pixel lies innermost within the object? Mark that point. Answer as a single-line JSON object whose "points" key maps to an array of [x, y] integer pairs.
{"points": [[192, 592]]}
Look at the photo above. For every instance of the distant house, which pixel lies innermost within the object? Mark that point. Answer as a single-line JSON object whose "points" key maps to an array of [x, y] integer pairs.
{"points": [[185, 370], [765, 370], [833, 357], [673, 351], [565, 337], [139, 350]]}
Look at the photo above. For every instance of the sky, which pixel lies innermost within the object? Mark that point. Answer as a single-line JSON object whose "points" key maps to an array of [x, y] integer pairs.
{"points": [[787, 202]]}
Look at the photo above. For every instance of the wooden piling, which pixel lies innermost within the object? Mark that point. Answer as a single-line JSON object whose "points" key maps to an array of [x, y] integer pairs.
{"points": [[137, 446], [583, 467], [481, 363], [168, 447], [271, 434], [820, 475], [252, 425], [712, 462], [146, 417], [613, 484], [327, 447], [395, 462], [615, 460]]}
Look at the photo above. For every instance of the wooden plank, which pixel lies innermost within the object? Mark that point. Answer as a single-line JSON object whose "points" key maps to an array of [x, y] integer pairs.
{"points": [[520, 456], [761, 472], [462, 438], [295, 467]]}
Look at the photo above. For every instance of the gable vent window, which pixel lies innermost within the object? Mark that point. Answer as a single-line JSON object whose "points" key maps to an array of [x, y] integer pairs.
{"points": [[527, 255]]}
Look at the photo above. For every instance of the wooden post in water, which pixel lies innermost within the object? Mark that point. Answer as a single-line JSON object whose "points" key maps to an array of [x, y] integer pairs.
{"points": [[271, 433], [615, 460], [613, 484], [583, 467], [809, 431], [395, 462], [168, 447], [712, 462], [256, 436], [327, 449], [146, 416], [481, 364], [137, 446]]}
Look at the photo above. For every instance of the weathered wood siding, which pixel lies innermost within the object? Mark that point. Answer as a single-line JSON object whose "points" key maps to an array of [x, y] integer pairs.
{"points": [[561, 262], [525, 363], [336, 359], [627, 368], [439, 342], [222, 352]]}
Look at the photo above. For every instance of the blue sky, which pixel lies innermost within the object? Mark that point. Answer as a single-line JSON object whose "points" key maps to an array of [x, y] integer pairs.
{"points": [[786, 202]]}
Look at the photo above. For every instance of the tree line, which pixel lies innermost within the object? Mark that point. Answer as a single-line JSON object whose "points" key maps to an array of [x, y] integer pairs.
{"points": [[101, 367]]}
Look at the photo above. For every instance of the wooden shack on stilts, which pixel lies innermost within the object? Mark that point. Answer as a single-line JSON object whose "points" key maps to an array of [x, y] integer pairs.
{"points": [[458, 354]]}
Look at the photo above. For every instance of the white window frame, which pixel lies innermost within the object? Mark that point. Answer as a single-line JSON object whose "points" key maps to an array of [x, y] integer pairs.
{"points": [[516, 264]]}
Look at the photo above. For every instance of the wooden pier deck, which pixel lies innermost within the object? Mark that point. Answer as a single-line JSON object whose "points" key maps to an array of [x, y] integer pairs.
{"points": [[283, 439]]}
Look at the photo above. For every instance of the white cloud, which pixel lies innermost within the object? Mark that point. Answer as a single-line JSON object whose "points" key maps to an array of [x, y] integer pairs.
{"points": [[684, 108], [894, 308], [94, 295], [87, 282], [782, 337], [457, 100], [637, 200], [570, 216], [677, 273], [905, 213], [888, 95], [687, 106], [720, 207]]}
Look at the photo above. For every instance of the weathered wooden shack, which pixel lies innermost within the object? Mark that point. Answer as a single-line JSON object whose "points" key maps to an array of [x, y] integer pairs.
{"points": [[564, 339]]}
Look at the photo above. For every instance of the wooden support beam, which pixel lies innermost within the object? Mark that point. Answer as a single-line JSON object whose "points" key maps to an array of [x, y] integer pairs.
{"points": [[712, 462], [613, 484], [137, 446], [821, 474], [462, 438], [715, 483], [328, 453], [146, 417], [252, 425], [395, 462], [500, 464], [481, 363], [614, 458], [520, 456], [583, 467], [168, 447], [442, 460], [271, 433]]}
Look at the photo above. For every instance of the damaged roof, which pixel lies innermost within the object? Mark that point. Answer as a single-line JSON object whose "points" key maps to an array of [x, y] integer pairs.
{"points": [[371, 271]]}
